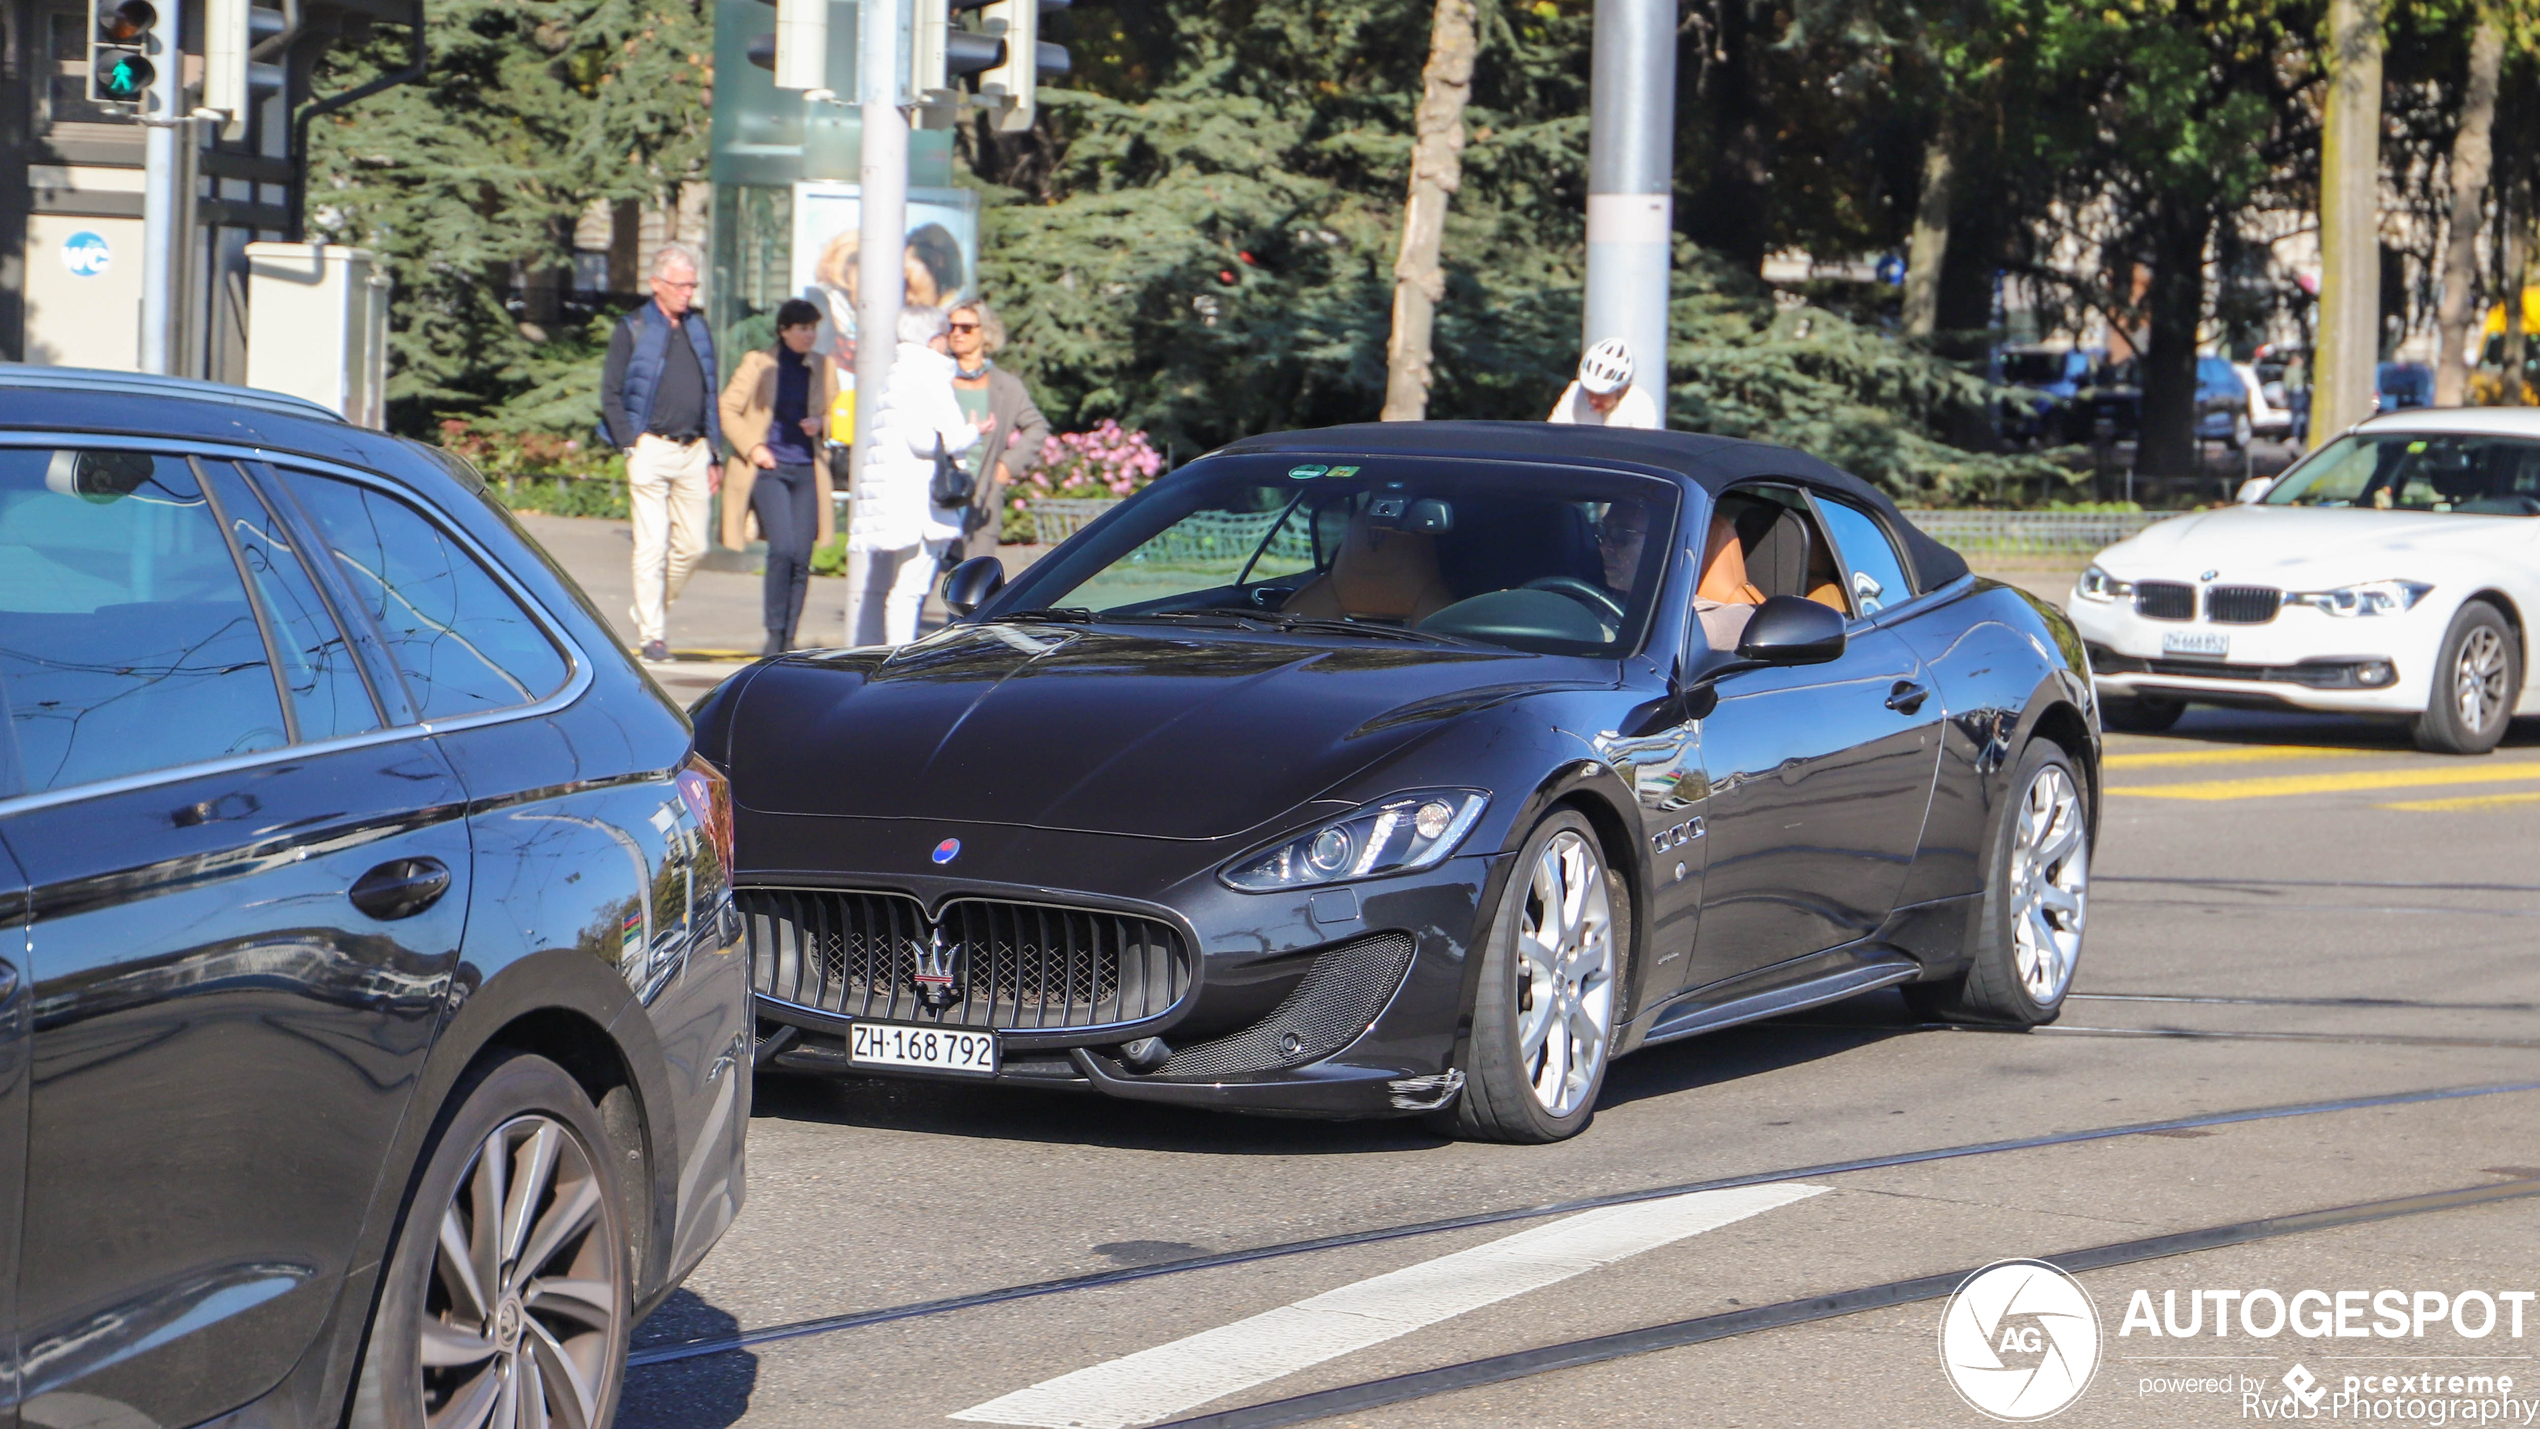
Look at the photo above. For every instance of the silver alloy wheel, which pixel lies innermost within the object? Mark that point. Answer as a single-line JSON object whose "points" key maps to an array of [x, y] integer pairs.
{"points": [[1565, 973], [2050, 885], [2478, 678], [520, 1315]]}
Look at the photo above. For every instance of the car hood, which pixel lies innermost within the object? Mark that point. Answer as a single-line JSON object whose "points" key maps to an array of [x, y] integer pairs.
{"points": [[2313, 547], [1180, 735]]}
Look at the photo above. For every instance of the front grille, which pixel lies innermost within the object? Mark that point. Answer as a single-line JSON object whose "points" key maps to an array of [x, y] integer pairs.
{"points": [[2242, 604], [1342, 992], [1022, 966], [2164, 600]]}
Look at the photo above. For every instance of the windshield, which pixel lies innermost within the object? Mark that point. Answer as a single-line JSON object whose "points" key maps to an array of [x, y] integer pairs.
{"points": [[2468, 473], [1538, 558]]}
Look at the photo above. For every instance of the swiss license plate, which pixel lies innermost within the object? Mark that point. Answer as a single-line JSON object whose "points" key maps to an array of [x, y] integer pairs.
{"points": [[2205, 644], [937, 1049]]}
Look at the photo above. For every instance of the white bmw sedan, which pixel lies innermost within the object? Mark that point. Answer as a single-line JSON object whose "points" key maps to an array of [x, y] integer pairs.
{"points": [[2391, 572]]}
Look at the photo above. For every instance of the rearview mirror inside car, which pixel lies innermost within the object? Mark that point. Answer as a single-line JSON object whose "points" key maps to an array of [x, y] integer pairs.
{"points": [[1787, 630], [969, 585]]}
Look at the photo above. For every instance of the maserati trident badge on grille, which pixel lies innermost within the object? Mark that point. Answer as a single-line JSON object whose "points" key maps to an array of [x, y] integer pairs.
{"points": [[947, 851], [938, 975]]}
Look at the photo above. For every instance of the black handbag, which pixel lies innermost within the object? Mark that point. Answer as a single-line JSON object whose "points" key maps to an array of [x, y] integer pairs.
{"points": [[952, 485]]}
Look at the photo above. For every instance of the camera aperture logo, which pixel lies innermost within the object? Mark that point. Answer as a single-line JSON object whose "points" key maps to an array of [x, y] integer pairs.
{"points": [[2020, 1341]]}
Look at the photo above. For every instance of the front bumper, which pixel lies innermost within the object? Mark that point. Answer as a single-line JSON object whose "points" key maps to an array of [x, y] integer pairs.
{"points": [[2301, 659], [1309, 1004]]}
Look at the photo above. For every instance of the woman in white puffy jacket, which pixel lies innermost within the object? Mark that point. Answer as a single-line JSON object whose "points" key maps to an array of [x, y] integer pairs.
{"points": [[901, 532]]}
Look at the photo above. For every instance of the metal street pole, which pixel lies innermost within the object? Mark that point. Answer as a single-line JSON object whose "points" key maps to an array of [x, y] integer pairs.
{"points": [[881, 281], [1631, 183], [2349, 331], [163, 243]]}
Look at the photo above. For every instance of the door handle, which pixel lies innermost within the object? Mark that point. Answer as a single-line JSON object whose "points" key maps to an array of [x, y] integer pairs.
{"points": [[1907, 697], [400, 888]]}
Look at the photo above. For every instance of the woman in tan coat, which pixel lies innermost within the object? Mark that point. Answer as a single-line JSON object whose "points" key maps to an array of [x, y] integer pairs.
{"points": [[773, 411]]}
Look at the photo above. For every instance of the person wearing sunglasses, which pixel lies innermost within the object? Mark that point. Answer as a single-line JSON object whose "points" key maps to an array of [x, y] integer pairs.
{"points": [[1011, 445]]}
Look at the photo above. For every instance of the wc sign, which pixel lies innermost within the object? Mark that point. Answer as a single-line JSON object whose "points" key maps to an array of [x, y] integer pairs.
{"points": [[86, 254]]}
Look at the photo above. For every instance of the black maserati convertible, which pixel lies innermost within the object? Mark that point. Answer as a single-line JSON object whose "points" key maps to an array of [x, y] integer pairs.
{"points": [[1419, 768]]}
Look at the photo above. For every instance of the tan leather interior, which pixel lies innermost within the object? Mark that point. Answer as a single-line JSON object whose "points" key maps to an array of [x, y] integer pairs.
{"points": [[1376, 575], [1724, 567]]}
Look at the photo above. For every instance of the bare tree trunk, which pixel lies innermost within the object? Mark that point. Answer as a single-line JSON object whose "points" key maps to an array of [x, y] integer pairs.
{"points": [[2166, 438], [1929, 246], [2348, 336], [2472, 153], [1437, 169], [2517, 276]]}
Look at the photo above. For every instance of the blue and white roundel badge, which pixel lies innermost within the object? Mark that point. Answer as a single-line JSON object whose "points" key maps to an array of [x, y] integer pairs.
{"points": [[86, 254], [947, 851]]}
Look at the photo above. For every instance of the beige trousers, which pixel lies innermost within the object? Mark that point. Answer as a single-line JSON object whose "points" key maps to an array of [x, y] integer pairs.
{"points": [[667, 489]]}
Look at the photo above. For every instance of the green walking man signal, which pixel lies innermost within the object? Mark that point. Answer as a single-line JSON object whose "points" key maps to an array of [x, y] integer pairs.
{"points": [[119, 68]]}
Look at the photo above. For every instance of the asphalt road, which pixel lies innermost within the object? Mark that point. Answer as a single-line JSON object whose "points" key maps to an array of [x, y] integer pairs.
{"points": [[2286, 912], [2310, 983]]}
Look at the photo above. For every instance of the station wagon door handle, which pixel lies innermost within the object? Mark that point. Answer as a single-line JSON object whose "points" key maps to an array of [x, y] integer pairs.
{"points": [[401, 888], [1907, 697]]}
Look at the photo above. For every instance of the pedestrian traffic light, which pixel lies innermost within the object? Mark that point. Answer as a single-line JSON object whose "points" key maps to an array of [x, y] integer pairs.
{"points": [[799, 50], [1010, 85], [943, 53], [120, 38], [232, 80]]}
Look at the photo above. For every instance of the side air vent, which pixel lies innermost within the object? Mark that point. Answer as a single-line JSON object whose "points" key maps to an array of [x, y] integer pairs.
{"points": [[1341, 994]]}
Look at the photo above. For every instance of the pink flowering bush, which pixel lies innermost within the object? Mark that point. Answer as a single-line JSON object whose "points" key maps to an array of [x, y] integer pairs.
{"points": [[1104, 464], [1108, 461]]}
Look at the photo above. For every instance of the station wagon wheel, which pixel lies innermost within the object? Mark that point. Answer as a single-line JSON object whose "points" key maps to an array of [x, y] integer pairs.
{"points": [[2477, 682], [506, 1301], [1549, 1000], [2026, 943]]}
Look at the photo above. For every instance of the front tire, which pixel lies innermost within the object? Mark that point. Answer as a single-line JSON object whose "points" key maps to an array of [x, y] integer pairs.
{"points": [[506, 1301], [1550, 999], [2028, 939], [2240, 432], [2477, 680]]}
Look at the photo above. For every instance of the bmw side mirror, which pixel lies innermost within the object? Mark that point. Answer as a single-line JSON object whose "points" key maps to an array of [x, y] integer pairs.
{"points": [[1788, 630], [969, 585]]}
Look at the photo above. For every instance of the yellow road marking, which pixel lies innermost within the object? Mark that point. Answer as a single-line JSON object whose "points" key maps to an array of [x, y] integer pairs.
{"points": [[2237, 754], [2283, 784], [2464, 803]]}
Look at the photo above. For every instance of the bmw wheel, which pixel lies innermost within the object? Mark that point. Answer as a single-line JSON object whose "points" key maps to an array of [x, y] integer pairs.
{"points": [[2477, 681], [1551, 991], [2028, 934], [505, 1302]]}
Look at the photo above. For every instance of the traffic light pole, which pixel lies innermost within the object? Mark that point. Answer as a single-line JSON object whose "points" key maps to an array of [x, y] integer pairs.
{"points": [[1631, 183], [163, 242]]}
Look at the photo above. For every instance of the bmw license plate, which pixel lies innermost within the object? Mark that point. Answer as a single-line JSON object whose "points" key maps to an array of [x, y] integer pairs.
{"points": [[936, 1049], [2204, 644]]}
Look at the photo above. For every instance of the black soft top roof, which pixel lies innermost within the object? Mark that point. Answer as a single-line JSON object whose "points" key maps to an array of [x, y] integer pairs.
{"points": [[1713, 463]]}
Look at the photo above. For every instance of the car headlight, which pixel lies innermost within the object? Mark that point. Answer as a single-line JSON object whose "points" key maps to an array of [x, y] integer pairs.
{"points": [[2369, 598], [2097, 584], [1392, 835]]}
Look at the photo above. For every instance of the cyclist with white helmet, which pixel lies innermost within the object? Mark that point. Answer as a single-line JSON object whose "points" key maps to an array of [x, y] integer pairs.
{"points": [[1603, 394]]}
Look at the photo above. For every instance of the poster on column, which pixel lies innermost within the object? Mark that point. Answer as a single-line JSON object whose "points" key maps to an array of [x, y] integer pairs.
{"points": [[941, 258]]}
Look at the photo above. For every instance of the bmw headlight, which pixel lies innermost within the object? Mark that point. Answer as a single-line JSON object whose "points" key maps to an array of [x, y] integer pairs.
{"points": [[2097, 584], [1392, 835], [2369, 598]]}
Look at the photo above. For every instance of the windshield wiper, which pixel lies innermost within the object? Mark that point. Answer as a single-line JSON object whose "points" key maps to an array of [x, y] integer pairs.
{"points": [[1214, 615], [1069, 614], [1353, 627]]}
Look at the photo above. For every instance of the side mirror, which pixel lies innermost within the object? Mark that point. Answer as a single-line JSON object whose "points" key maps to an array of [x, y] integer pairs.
{"points": [[1788, 630], [2254, 490], [969, 585]]}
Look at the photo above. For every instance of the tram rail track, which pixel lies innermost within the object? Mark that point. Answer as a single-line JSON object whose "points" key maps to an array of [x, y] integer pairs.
{"points": [[832, 1324], [1598, 1349]]}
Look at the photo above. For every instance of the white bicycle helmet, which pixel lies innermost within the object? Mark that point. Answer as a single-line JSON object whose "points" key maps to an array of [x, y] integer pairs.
{"points": [[1606, 368]]}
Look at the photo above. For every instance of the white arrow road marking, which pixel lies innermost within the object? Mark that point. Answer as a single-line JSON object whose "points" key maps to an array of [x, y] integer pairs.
{"points": [[1169, 1379]]}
